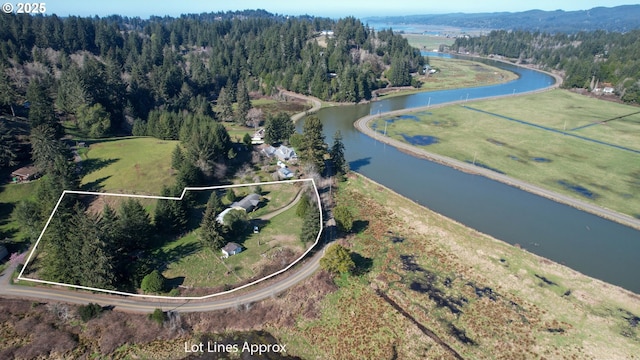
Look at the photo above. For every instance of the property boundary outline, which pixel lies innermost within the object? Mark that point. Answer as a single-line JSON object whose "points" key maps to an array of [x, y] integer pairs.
{"points": [[184, 191]]}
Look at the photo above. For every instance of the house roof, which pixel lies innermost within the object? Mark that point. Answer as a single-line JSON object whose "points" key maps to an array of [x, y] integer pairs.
{"points": [[285, 153], [231, 247], [285, 172], [269, 151], [248, 202], [25, 171], [220, 217]]}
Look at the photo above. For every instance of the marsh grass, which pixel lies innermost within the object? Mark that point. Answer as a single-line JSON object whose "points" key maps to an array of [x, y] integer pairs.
{"points": [[594, 172]]}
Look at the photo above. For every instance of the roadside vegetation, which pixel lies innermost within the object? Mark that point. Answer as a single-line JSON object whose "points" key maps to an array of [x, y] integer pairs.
{"points": [[600, 172], [421, 277]]}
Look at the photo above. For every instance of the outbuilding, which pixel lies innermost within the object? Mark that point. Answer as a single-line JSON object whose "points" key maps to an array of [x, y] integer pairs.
{"points": [[24, 174], [231, 249]]}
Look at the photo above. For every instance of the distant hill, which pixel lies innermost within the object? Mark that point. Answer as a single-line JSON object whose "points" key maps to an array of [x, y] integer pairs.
{"points": [[619, 19]]}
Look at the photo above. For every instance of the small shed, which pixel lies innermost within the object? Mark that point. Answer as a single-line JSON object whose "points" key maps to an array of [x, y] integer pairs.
{"points": [[231, 249], [285, 173], [25, 174]]}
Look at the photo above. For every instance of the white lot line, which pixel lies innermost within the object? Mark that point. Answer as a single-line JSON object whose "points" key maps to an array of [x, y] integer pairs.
{"points": [[20, 277]]}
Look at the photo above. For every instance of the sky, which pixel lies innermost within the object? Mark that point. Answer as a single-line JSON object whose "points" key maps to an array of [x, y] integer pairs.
{"points": [[328, 8]]}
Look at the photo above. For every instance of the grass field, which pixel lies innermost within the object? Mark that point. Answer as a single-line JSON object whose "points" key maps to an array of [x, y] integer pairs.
{"points": [[128, 165], [202, 267], [456, 73], [482, 297], [428, 42], [595, 172]]}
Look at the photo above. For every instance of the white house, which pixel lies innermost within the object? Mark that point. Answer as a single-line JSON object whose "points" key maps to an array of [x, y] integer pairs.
{"points": [[231, 249], [283, 153]]}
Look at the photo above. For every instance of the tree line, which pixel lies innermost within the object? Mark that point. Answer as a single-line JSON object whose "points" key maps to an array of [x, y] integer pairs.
{"points": [[585, 58], [107, 72]]}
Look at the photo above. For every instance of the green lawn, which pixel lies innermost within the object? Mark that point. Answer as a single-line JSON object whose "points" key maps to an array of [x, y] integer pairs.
{"points": [[10, 195], [428, 42], [589, 171], [133, 164], [202, 267]]}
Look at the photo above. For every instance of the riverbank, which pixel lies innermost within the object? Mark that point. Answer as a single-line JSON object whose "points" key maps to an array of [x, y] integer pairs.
{"points": [[363, 123], [428, 274]]}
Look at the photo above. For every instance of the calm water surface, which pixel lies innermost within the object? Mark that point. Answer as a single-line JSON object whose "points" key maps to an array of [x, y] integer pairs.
{"points": [[596, 247]]}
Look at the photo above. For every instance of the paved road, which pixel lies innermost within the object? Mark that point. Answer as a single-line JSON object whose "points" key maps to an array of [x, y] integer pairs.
{"points": [[362, 125], [144, 305]]}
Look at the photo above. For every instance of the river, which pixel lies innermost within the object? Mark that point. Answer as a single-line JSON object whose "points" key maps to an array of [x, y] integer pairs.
{"points": [[587, 243]]}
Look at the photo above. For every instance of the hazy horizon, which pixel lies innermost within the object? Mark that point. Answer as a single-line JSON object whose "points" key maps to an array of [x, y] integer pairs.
{"points": [[326, 8]]}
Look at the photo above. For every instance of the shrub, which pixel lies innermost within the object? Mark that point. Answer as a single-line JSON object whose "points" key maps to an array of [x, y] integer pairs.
{"points": [[337, 260], [89, 311], [158, 316], [153, 282], [344, 218]]}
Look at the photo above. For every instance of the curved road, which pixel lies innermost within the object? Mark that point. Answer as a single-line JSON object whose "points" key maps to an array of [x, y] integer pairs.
{"points": [[143, 305]]}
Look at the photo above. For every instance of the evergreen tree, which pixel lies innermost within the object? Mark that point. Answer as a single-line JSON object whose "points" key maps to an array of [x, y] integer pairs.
{"points": [[27, 214], [154, 282], [8, 95], [243, 103], [168, 218], [225, 108], [211, 232], [312, 149], [246, 139], [340, 166], [135, 226], [93, 120], [41, 107], [45, 147], [278, 128], [215, 203], [96, 262], [177, 158], [7, 146], [310, 225], [304, 204], [231, 195]]}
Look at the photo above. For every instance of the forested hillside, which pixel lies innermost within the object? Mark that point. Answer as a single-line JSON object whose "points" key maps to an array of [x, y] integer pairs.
{"points": [[106, 70], [586, 58], [619, 18]]}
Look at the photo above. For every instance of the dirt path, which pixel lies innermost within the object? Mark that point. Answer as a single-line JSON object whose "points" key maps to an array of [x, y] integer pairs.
{"points": [[317, 104]]}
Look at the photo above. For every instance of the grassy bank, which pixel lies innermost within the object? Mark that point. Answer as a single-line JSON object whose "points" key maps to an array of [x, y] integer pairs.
{"points": [[482, 297], [456, 73], [486, 133]]}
